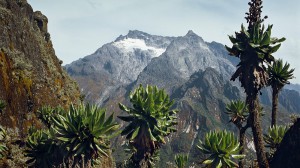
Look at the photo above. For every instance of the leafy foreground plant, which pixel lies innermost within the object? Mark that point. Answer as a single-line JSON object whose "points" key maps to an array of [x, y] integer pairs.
{"points": [[222, 147], [150, 120], [79, 136], [274, 137], [239, 113], [84, 131], [279, 74], [3, 147], [181, 160], [42, 149], [254, 47]]}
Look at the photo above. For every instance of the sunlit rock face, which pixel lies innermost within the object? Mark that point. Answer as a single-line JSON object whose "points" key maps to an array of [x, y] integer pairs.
{"points": [[31, 75]]}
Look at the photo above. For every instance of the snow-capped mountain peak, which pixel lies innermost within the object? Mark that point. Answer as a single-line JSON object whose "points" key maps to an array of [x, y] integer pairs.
{"points": [[130, 45]]}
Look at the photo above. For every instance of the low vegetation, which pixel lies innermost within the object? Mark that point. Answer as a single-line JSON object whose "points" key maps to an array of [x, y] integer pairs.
{"points": [[77, 137], [222, 147]]}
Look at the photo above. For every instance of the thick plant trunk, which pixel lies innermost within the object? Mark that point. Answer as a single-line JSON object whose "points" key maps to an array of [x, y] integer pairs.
{"points": [[145, 149], [274, 106], [140, 160], [253, 105], [242, 143], [242, 151]]}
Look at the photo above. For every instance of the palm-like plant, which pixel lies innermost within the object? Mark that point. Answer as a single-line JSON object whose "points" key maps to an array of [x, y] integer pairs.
{"points": [[254, 47], [84, 131], [222, 147], [47, 114], [181, 160], [275, 136], [238, 112], [279, 74], [150, 120], [41, 149], [3, 147]]}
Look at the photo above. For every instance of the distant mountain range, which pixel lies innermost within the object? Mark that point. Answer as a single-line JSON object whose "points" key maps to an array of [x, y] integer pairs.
{"points": [[195, 73], [293, 87]]}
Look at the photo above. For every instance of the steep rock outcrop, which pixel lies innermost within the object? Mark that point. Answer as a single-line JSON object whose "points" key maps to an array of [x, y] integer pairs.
{"points": [[288, 153], [31, 75]]}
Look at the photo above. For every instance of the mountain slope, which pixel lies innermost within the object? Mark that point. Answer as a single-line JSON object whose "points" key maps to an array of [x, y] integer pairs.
{"points": [[31, 75], [183, 57], [116, 64]]}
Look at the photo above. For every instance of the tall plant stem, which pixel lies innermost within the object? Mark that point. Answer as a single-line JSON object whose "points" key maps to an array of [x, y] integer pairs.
{"points": [[253, 105], [274, 106], [242, 131]]}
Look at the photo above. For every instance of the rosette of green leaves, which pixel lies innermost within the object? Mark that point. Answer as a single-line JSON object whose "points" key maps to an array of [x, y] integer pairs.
{"points": [[222, 147], [280, 74], [274, 136], [46, 114], [150, 117], [254, 47], [85, 131], [181, 160], [238, 112], [41, 149]]}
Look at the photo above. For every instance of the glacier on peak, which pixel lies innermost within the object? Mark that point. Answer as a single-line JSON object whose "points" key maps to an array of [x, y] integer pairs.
{"points": [[130, 45]]}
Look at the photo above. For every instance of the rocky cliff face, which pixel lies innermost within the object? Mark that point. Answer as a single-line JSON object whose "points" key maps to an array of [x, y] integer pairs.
{"points": [[288, 153], [31, 75]]}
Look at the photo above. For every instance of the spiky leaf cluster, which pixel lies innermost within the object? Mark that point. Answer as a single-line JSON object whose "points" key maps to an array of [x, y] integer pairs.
{"points": [[2, 105], [181, 160], [279, 74], [254, 48], [46, 114], [274, 136], [41, 149], [3, 147], [150, 115], [80, 133], [222, 147], [238, 112], [85, 130]]}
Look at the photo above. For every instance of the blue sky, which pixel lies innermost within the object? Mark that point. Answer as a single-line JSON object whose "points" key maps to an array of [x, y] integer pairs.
{"points": [[79, 27]]}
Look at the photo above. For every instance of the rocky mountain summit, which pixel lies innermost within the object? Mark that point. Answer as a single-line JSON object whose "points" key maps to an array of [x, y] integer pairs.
{"points": [[116, 64], [183, 57], [168, 62], [148, 59]]}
